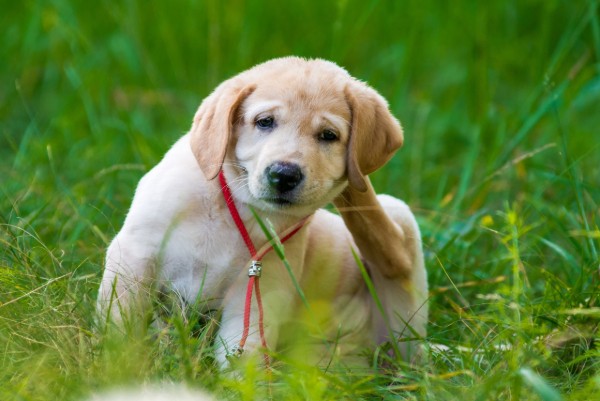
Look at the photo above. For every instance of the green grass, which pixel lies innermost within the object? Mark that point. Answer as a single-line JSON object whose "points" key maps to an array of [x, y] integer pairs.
{"points": [[500, 102]]}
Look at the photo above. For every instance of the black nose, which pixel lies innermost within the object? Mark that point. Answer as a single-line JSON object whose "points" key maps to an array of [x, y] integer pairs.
{"points": [[284, 176]]}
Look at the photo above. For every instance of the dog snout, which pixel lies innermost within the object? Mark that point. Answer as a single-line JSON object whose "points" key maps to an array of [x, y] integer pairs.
{"points": [[284, 176]]}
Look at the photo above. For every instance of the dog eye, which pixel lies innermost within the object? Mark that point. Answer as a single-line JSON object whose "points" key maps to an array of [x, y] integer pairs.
{"points": [[265, 122], [328, 136]]}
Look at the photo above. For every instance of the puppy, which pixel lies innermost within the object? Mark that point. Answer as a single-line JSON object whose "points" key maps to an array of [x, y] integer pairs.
{"points": [[290, 136]]}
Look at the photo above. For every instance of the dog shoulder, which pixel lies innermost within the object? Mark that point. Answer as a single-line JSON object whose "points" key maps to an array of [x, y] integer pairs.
{"points": [[170, 190]]}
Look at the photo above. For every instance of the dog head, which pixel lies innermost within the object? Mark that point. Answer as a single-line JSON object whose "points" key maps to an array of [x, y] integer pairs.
{"points": [[291, 133]]}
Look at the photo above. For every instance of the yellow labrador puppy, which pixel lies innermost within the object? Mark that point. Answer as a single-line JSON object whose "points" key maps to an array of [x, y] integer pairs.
{"points": [[290, 135]]}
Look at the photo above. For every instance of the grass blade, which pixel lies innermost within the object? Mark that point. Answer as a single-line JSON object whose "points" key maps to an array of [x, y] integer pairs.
{"points": [[273, 239], [541, 387]]}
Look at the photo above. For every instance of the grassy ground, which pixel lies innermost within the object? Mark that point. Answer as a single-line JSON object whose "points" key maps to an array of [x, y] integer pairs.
{"points": [[501, 106]]}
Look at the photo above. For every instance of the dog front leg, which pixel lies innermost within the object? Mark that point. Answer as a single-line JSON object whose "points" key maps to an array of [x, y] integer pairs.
{"points": [[383, 242], [232, 326], [125, 289], [279, 299]]}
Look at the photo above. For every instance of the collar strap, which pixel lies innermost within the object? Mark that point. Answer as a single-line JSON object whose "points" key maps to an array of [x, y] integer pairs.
{"points": [[235, 214], [255, 268]]}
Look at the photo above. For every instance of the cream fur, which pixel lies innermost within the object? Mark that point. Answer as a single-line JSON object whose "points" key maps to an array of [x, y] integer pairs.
{"points": [[179, 235]]}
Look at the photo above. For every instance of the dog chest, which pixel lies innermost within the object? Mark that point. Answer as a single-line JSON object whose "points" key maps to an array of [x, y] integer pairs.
{"points": [[202, 258]]}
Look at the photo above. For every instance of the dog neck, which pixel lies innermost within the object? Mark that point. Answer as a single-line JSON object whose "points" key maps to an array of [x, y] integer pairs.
{"points": [[276, 223]]}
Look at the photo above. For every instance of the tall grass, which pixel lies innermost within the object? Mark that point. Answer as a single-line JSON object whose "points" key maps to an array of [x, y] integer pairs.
{"points": [[500, 102]]}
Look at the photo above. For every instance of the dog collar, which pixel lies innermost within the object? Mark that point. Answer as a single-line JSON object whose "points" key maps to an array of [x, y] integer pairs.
{"points": [[255, 269]]}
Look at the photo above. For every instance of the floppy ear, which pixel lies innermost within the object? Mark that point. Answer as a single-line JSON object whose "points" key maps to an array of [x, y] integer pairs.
{"points": [[213, 125], [375, 134]]}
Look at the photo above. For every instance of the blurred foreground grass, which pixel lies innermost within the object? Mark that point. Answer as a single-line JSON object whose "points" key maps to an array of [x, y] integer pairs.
{"points": [[500, 102]]}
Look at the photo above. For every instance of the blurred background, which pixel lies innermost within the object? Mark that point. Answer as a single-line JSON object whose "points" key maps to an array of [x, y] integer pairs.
{"points": [[500, 102]]}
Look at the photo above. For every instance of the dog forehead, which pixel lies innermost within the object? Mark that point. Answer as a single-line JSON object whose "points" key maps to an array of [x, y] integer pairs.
{"points": [[297, 100], [294, 81], [301, 100]]}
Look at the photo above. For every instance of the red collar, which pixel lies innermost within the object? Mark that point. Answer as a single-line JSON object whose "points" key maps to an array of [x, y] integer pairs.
{"points": [[254, 271]]}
